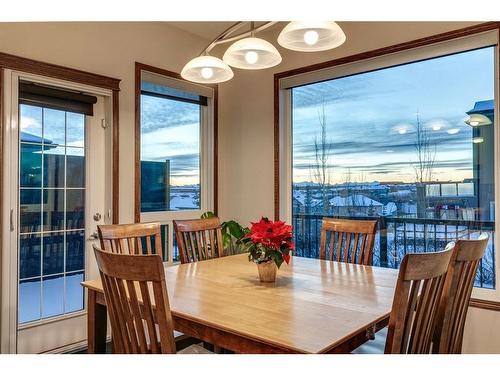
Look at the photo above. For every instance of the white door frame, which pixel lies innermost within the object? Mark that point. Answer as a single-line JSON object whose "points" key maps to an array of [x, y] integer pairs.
{"points": [[9, 264]]}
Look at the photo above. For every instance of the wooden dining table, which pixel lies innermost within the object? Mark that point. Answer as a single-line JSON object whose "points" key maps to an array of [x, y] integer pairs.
{"points": [[315, 306]]}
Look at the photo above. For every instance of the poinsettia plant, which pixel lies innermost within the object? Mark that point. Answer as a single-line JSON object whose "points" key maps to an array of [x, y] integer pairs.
{"points": [[269, 240]]}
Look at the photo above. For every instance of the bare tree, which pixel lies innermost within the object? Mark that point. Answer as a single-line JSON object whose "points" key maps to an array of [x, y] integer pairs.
{"points": [[323, 152], [426, 154], [425, 151]]}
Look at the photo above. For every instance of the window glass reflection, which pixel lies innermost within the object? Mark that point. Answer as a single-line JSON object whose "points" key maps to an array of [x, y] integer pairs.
{"points": [[74, 292], [29, 300], [53, 253], [53, 296], [30, 166], [30, 255], [53, 209], [54, 126], [30, 210]]}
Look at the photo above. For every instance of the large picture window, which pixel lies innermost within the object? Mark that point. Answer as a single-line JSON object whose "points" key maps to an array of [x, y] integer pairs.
{"points": [[411, 145]]}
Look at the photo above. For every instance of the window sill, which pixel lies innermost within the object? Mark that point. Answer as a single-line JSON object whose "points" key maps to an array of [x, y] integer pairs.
{"points": [[484, 304]]}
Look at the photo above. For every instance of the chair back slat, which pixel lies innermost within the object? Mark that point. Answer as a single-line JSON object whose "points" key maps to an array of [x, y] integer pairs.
{"points": [[138, 238], [136, 297], [192, 236], [456, 295], [349, 241], [416, 301]]}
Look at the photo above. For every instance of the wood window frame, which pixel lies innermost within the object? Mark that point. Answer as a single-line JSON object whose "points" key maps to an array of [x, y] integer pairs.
{"points": [[140, 67], [426, 41]]}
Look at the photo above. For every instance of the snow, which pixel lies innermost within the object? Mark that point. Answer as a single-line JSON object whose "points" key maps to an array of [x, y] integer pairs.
{"points": [[183, 201], [358, 200]]}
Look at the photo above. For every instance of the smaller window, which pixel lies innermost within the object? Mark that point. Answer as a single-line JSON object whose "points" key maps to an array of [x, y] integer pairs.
{"points": [[171, 121]]}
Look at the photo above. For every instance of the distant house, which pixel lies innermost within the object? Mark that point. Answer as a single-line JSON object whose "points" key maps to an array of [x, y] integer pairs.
{"points": [[356, 205]]}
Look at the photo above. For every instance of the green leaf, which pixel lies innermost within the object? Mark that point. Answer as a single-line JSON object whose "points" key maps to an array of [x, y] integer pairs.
{"points": [[235, 229], [278, 259]]}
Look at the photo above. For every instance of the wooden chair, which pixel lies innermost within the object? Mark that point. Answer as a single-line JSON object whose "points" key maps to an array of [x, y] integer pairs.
{"points": [[416, 301], [199, 239], [415, 306], [138, 238], [349, 241], [136, 297], [457, 291]]}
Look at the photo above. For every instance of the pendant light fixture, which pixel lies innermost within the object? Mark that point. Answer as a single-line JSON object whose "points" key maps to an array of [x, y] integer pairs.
{"points": [[207, 69], [252, 53], [311, 36]]}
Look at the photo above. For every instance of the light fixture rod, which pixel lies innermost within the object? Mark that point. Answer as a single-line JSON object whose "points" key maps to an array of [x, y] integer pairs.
{"points": [[224, 36]]}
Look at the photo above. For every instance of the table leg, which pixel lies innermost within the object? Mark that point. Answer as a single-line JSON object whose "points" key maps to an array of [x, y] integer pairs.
{"points": [[97, 321]]}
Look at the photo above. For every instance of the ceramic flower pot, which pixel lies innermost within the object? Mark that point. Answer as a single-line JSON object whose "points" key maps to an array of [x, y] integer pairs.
{"points": [[267, 271]]}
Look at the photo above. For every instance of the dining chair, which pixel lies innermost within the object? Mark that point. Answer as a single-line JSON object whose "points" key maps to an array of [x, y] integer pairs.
{"points": [[349, 241], [199, 239], [136, 238], [416, 301], [136, 296], [454, 304], [417, 296]]}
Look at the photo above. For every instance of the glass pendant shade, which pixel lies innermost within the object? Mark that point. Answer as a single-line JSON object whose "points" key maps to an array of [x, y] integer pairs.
{"points": [[311, 36], [252, 53], [207, 69], [477, 119]]}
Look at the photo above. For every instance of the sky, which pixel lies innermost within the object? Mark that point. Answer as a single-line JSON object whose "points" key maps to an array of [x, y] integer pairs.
{"points": [[171, 130], [366, 114]]}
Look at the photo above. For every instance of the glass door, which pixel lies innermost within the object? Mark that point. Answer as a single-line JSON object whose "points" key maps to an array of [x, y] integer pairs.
{"points": [[63, 192]]}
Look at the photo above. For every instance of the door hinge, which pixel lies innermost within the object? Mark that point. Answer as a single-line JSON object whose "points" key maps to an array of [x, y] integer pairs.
{"points": [[104, 124]]}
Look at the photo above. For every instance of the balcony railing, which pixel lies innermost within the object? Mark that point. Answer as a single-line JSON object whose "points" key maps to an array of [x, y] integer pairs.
{"points": [[398, 236]]}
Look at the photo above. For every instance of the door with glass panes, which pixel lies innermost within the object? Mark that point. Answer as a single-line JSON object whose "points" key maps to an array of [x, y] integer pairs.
{"points": [[62, 194]]}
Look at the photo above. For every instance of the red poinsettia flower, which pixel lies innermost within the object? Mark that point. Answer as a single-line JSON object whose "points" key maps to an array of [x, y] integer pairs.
{"points": [[271, 234], [271, 240]]}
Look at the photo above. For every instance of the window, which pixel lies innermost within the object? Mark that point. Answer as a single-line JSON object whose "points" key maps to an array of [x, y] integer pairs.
{"points": [[411, 144], [51, 212], [170, 148], [176, 152]]}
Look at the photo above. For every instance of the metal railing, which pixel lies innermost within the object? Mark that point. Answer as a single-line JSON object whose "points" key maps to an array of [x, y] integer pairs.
{"points": [[398, 236]]}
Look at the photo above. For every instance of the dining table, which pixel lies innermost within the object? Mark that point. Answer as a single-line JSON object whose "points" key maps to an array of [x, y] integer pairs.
{"points": [[314, 306]]}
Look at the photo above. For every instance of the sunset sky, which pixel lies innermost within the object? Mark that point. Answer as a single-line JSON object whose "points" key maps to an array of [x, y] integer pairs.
{"points": [[367, 113]]}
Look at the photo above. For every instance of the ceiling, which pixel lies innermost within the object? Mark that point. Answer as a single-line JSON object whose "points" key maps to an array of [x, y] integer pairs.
{"points": [[209, 30], [204, 30]]}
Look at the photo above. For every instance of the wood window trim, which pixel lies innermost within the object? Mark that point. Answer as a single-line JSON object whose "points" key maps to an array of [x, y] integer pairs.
{"points": [[476, 29], [41, 68], [484, 304], [139, 67], [454, 34]]}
